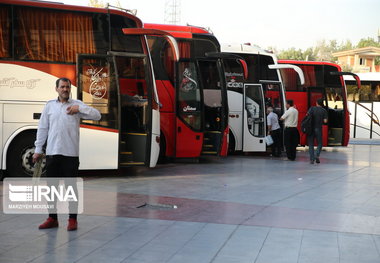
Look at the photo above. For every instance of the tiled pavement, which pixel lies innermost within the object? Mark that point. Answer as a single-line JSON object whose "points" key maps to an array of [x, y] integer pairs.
{"points": [[238, 209]]}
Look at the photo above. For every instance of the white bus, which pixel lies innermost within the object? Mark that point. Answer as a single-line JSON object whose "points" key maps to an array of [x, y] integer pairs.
{"points": [[104, 53], [364, 105], [248, 98]]}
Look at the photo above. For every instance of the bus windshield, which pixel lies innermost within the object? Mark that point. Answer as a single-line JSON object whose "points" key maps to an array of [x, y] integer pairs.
{"points": [[258, 69]]}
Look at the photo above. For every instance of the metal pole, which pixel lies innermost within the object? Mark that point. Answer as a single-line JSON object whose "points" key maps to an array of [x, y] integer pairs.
{"points": [[356, 111], [370, 135]]}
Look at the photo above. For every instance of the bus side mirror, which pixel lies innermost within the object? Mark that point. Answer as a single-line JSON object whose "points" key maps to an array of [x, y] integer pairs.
{"points": [[245, 68], [297, 69], [356, 77]]}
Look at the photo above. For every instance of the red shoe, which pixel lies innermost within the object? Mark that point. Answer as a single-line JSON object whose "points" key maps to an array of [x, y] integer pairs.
{"points": [[49, 223], [73, 224]]}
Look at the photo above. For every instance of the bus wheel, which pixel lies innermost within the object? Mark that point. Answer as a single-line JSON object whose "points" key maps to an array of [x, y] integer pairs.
{"points": [[231, 143], [162, 158], [19, 158]]}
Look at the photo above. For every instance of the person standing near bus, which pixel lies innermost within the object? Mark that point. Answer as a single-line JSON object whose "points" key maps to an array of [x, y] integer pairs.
{"points": [[59, 125], [274, 130], [319, 116], [291, 134]]}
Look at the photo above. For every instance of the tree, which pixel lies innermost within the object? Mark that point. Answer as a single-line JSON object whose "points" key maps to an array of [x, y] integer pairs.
{"points": [[367, 42], [347, 45], [324, 50], [321, 52], [292, 53], [309, 54]]}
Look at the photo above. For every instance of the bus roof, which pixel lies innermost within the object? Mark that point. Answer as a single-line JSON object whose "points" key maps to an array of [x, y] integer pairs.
{"points": [[247, 49], [61, 6], [179, 31], [300, 62]]}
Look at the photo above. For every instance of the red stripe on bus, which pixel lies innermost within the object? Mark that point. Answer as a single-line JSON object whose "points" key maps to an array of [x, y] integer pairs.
{"points": [[98, 128]]}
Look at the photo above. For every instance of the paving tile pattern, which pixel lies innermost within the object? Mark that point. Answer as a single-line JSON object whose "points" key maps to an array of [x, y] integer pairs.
{"points": [[238, 209]]}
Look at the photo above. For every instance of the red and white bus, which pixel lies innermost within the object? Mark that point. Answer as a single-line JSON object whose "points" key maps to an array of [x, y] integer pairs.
{"points": [[192, 92], [248, 97], [110, 70], [322, 80]]}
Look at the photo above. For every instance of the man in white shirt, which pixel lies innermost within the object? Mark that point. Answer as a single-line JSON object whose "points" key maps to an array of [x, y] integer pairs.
{"points": [[291, 134], [59, 125], [274, 130]]}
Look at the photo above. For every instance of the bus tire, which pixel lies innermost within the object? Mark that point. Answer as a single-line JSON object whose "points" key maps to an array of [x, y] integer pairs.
{"points": [[231, 143], [19, 156], [162, 158]]}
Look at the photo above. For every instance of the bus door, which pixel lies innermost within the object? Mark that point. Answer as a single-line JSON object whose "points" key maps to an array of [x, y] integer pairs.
{"points": [[235, 73], [97, 87], [215, 107], [274, 96], [120, 86], [189, 121], [339, 116], [254, 123]]}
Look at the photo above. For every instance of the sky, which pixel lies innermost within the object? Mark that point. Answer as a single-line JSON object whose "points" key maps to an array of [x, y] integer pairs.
{"points": [[269, 23]]}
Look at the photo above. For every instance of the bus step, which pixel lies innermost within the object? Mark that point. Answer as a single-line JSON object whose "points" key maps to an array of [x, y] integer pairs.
{"points": [[134, 133], [126, 157], [208, 146], [217, 132], [209, 153], [131, 163], [334, 144], [122, 146]]}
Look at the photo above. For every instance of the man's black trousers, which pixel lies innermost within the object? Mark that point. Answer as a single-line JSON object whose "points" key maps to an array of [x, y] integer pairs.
{"points": [[63, 166], [277, 142], [291, 140]]}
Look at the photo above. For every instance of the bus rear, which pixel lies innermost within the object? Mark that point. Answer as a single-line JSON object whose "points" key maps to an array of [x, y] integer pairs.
{"points": [[192, 93]]}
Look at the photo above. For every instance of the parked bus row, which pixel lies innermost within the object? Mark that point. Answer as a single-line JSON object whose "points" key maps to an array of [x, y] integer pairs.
{"points": [[163, 91]]}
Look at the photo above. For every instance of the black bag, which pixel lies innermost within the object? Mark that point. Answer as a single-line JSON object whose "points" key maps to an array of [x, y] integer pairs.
{"points": [[307, 124]]}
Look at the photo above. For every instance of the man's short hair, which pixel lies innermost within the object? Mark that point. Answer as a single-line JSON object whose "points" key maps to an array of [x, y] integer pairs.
{"points": [[270, 109], [320, 102], [290, 102], [63, 79]]}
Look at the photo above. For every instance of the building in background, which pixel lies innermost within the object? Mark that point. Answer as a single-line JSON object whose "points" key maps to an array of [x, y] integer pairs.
{"points": [[360, 60]]}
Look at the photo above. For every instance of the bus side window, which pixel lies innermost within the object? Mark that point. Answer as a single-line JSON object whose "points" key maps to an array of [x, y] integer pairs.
{"points": [[52, 35], [58, 36], [5, 32]]}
